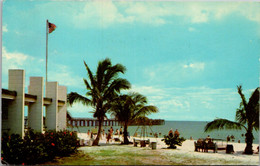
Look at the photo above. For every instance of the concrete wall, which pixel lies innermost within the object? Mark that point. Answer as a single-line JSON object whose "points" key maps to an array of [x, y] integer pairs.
{"points": [[62, 110], [52, 109], [16, 82], [35, 110], [14, 115]]}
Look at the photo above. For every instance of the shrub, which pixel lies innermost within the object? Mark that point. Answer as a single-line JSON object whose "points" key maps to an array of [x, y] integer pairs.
{"points": [[37, 147], [173, 141], [12, 148]]}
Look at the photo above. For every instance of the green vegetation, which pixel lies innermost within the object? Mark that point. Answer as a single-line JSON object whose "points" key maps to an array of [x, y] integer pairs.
{"points": [[129, 155], [131, 107], [247, 117], [173, 140], [103, 94], [116, 155], [102, 88], [37, 148]]}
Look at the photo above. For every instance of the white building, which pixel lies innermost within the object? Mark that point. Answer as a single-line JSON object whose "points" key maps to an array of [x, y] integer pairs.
{"points": [[14, 100]]}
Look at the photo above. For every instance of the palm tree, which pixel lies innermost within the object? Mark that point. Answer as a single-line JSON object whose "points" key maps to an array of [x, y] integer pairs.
{"points": [[101, 90], [129, 108], [247, 117]]}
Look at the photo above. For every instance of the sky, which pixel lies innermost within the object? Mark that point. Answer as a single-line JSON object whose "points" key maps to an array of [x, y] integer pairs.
{"points": [[187, 58]]}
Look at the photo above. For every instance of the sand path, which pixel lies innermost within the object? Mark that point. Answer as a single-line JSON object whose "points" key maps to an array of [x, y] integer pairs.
{"points": [[184, 154]]}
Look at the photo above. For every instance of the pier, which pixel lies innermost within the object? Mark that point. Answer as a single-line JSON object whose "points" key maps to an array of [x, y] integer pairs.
{"points": [[85, 122]]}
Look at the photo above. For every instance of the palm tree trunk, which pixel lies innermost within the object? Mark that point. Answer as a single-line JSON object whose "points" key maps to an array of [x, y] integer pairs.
{"points": [[249, 141], [96, 141], [126, 141]]}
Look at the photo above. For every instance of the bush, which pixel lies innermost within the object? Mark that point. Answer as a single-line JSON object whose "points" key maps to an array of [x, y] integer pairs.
{"points": [[173, 140], [37, 147]]}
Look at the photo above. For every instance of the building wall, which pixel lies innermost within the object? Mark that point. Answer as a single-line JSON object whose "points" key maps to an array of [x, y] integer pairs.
{"points": [[62, 110], [16, 82], [52, 109], [35, 110], [13, 119]]}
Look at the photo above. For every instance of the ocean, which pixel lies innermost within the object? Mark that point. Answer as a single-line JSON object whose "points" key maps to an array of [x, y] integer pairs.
{"points": [[187, 129]]}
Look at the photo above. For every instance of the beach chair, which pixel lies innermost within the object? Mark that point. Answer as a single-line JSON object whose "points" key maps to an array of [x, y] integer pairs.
{"points": [[136, 142], [211, 146], [199, 145]]}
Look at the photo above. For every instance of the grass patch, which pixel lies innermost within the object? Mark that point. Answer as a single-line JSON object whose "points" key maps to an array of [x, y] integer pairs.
{"points": [[127, 155]]}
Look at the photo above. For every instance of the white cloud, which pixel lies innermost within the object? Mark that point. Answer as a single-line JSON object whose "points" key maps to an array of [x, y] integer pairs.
{"points": [[147, 12], [64, 75], [12, 60], [178, 71], [4, 28], [107, 13], [56, 72], [201, 12], [196, 66], [195, 101], [191, 29], [99, 13], [16, 60], [146, 89]]}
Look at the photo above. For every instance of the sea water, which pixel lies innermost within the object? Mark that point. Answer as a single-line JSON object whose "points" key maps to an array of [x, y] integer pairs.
{"points": [[187, 129]]}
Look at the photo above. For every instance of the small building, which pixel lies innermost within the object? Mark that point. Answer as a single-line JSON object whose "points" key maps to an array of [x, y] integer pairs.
{"points": [[14, 100]]}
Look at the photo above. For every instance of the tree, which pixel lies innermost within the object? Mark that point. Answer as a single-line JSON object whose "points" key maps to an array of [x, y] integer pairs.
{"points": [[131, 107], [102, 88], [247, 117]]}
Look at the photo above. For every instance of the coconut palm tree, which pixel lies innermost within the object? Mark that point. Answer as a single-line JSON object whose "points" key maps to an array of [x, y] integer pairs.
{"points": [[247, 117], [101, 90], [129, 108]]}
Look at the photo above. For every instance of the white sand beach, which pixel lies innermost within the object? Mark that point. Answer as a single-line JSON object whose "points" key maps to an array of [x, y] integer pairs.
{"points": [[186, 152]]}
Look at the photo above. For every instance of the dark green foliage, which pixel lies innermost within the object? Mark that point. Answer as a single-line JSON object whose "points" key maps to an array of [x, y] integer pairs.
{"points": [[173, 141], [102, 87], [37, 148], [219, 124], [247, 117], [129, 108]]}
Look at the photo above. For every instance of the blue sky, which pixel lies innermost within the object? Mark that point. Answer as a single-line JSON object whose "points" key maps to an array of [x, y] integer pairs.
{"points": [[186, 57]]}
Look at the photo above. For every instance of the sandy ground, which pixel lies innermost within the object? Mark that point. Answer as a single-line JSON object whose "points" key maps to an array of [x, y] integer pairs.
{"points": [[186, 153]]}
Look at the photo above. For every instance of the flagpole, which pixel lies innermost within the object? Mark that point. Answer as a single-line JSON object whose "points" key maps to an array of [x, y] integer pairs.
{"points": [[47, 28]]}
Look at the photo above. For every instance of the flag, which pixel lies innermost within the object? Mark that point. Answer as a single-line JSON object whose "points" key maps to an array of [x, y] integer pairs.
{"points": [[52, 27]]}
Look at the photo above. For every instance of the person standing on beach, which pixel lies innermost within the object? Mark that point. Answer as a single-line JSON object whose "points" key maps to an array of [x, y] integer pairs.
{"points": [[108, 136], [170, 133], [117, 132], [228, 138], [88, 134], [103, 133], [176, 133], [111, 132]]}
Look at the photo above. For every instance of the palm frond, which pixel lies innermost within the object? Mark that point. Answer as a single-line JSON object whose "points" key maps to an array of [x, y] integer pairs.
{"points": [[74, 97], [253, 109], [113, 72], [239, 90], [138, 98], [87, 84], [149, 109], [220, 124], [241, 116], [69, 117], [116, 86], [90, 75], [253, 103], [102, 68]]}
